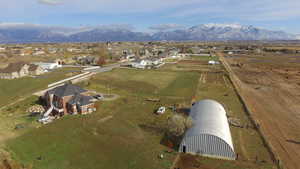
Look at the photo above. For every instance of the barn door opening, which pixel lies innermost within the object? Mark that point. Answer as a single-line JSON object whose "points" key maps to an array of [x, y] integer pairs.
{"points": [[184, 149]]}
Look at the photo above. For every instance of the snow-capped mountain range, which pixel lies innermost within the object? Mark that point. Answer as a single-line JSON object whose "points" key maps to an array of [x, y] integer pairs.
{"points": [[28, 33]]}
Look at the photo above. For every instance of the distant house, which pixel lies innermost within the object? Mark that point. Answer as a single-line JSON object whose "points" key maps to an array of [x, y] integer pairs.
{"points": [[14, 70], [204, 54], [140, 64], [49, 65], [196, 50], [52, 50], [76, 50], [20, 69], [212, 62], [173, 53], [39, 53], [2, 49], [35, 70], [69, 99], [130, 57], [85, 60], [146, 63]]}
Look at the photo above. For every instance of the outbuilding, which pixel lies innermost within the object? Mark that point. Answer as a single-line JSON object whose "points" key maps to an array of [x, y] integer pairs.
{"points": [[210, 134]]}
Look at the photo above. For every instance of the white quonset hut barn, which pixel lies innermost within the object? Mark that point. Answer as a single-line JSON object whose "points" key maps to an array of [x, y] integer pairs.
{"points": [[210, 134]]}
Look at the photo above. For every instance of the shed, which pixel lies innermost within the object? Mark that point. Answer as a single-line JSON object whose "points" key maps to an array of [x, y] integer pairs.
{"points": [[210, 134]]}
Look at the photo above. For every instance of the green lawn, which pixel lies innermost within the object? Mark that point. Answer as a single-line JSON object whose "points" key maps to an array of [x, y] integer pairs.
{"points": [[184, 85], [154, 83], [204, 58], [12, 90], [130, 139]]}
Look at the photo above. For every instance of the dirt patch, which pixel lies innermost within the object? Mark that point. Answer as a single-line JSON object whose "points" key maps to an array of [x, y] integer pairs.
{"points": [[274, 106], [215, 77], [187, 161], [197, 62]]}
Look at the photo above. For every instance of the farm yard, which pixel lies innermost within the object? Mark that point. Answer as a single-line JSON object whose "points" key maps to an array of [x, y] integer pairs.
{"points": [[270, 86], [129, 139], [125, 133]]}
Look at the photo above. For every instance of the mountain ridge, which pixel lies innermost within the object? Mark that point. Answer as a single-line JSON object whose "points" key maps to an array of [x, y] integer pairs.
{"points": [[30, 33]]}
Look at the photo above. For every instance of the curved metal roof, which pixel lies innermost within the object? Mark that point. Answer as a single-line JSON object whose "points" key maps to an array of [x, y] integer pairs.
{"points": [[209, 117]]}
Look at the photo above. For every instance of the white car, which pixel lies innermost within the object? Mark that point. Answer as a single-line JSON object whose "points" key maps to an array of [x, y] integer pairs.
{"points": [[161, 110], [46, 120]]}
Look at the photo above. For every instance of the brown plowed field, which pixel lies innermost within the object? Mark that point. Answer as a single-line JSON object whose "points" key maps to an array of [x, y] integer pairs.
{"points": [[270, 87]]}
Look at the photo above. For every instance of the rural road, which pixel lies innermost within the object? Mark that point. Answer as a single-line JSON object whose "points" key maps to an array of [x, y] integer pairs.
{"points": [[104, 69], [89, 72]]}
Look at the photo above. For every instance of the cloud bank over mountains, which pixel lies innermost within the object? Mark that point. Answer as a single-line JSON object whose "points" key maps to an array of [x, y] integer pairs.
{"points": [[274, 14], [166, 27], [29, 33]]}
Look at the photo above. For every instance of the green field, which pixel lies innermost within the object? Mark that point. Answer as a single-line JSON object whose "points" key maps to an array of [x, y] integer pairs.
{"points": [[204, 58], [126, 134], [12, 90], [131, 138]]}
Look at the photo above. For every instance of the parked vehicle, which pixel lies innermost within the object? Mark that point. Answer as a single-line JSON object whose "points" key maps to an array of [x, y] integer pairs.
{"points": [[98, 97], [161, 110]]}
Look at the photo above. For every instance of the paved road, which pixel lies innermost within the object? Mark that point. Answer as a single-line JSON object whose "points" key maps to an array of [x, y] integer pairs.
{"points": [[104, 69], [91, 72]]}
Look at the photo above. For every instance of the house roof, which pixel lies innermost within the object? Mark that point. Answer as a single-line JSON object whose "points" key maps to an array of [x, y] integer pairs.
{"points": [[33, 67], [66, 90], [13, 67], [80, 100]]}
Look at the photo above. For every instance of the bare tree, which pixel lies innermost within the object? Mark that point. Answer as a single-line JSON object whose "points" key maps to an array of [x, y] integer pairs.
{"points": [[101, 61], [178, 124], [103, 55]]}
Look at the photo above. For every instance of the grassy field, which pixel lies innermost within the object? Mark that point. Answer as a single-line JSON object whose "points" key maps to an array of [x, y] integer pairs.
{"points": [[12, 90], [193, 63], [204, 58], [126, 134], [130, 138]]}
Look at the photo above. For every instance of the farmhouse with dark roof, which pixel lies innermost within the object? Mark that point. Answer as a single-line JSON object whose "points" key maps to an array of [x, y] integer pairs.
{"points": [[68, 99]]}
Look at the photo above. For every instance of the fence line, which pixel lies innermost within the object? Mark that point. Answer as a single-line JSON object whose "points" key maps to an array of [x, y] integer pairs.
{"points": [[238, 85]]}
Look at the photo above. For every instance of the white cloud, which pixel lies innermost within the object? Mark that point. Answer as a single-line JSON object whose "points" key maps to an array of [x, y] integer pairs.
{"points": [[6, 25], [166, 27], [116, 27], [125, 6], [255, 10], [50, 2]]}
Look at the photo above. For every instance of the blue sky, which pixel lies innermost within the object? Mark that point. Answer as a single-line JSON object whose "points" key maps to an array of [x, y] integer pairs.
{"points": [[146, 15]]}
